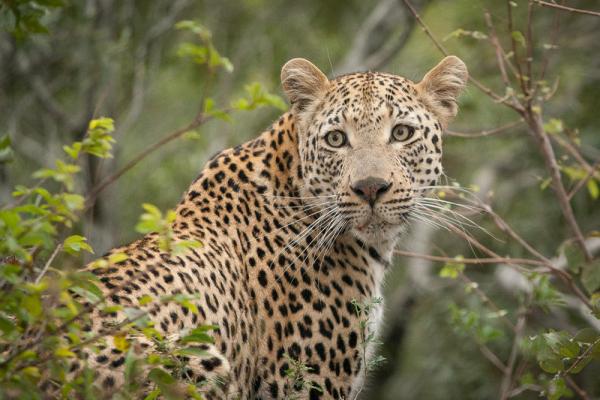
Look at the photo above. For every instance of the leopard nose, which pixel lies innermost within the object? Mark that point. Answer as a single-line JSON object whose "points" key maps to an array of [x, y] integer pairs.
{"points": [[370, 189]]}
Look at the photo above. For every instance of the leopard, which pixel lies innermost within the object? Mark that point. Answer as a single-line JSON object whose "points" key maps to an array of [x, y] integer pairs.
{"points": [[297, 226]]}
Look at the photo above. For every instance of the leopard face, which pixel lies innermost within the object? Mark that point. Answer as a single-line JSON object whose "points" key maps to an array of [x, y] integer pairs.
{"points": [[371, 143]]}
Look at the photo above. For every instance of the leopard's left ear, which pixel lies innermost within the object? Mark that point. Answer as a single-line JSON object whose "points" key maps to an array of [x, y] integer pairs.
{"points": [[441, 86], [302, 82]]}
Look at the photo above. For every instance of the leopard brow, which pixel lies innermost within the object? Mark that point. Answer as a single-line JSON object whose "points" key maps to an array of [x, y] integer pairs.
{"points": [[412, 123]]}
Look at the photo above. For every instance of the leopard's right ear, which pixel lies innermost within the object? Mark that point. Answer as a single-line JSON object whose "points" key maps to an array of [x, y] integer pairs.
{"points": [[302, 82]]}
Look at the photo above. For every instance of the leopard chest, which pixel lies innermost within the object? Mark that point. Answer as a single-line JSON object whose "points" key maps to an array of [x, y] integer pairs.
{"points": [[315, 312]]}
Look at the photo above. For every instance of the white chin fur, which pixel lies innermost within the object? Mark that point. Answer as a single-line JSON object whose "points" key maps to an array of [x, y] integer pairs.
{"points": [[379, 233]]}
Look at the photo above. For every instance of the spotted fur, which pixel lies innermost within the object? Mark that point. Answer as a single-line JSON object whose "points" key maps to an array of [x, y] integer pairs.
{"points": [[287, 242]]}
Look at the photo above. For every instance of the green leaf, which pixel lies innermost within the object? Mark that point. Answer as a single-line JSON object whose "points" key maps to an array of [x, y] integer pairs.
{"points": [[32, 305], [64, 352], [6, 325], [590, 276], [587, 335], [257, 96], [160, 377], [199, 335], [581, 364], [75, 244], [116, 258], [151, 220], [209, 109], [557, 389], [145, 299], [593, 189], [518, 37], [554, 126], [153, 395], [120, 342], [6, 152], [191, 351], [477, 35], [573, 254], [552, 365], [452, 270]]}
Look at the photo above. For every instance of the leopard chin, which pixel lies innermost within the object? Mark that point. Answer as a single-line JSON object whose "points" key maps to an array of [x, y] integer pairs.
{"points": [[378, 232]]}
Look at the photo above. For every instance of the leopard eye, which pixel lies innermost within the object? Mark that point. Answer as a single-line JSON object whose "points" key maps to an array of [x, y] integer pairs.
{"points": [[402, 133], [336, 138]]}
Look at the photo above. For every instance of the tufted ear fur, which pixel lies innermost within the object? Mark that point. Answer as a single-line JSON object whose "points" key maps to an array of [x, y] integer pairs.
{"points": [[441, 86], [302, 82]]}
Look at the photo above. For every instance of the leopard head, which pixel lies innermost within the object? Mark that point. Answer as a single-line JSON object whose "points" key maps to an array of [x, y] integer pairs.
{"points": [[370, 142]]}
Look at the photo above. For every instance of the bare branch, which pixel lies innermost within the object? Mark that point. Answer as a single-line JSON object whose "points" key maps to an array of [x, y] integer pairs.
{"points": [[580, 392], [591, 172], [513, 43], [537, 130], [441, 48], [507, 380], [529, 57], [487, 132], [48, 263], [478, 261], [491, 356], [565, 8], [91, 198]]}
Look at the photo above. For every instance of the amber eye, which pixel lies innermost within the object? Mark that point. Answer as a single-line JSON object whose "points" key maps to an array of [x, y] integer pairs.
{"points": [[402, 133], [336, 138]]}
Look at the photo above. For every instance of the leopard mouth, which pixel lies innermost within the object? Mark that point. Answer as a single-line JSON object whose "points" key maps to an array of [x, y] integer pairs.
{"points": [[377, 223], [372, 223]]}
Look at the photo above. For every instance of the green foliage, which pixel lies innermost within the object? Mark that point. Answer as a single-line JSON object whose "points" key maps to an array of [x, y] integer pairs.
{"points": [[459, 33], [24, 17], [98, 141], [152, 220], [475, 323], [6, 152], [257, 96], [296, 373], [452, 270], [368, 338], [44, 309], [205, 53]]}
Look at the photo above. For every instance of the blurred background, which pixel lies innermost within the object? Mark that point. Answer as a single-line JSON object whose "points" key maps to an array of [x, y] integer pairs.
{"points": [[119, 59]]}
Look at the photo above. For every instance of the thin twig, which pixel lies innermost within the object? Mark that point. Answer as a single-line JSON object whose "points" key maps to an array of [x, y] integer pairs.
{"points": [[487, 132], [564, 276], [580, 392], [441, 48], [477, 261], [507, 380], [491, 356], [513, 43], [497, 47], [48, 263], [581, 183], [529, 57], [484, 297], [565, 8], [199, 120], [537, 129], [501, 57], [555, 36], [581, 358]]}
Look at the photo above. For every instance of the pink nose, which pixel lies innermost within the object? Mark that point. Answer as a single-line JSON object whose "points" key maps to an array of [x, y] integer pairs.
{"points": [[370, 189]]}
